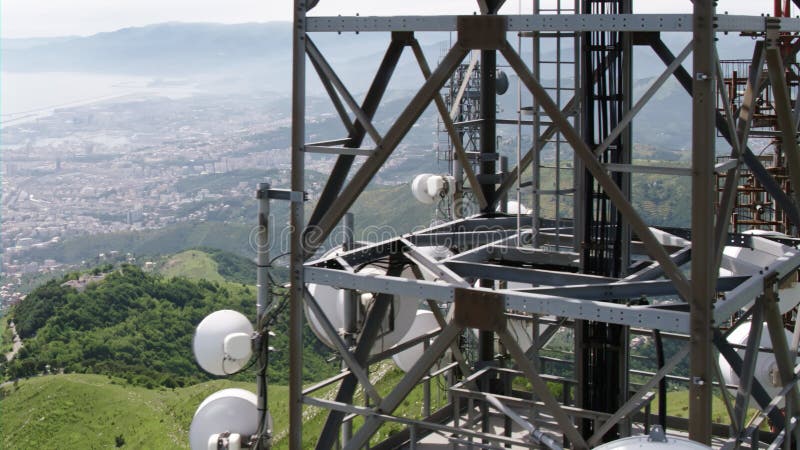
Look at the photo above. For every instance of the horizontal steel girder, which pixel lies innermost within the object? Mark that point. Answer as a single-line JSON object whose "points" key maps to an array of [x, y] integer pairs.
{"points": [[639, 316], [566, 22]]}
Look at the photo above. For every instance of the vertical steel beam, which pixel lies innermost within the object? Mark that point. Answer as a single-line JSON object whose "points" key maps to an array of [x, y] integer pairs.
{"points": [[297, 289], [350, 313], [263, 300], [488, 144], [703, 202], [488, 153]]}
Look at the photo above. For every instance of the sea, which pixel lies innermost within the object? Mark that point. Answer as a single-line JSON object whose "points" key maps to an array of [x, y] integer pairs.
{"points": [[27, 96]]}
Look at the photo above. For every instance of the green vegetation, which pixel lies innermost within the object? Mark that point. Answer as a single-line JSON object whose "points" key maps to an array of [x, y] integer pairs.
{"points": [[660, 199], [209, 264], [87, 411], [230, 237], [678, 406], [192, 264], [392, 209], [6, 337], [139, 327], [77, 407], [412, 406], [233, 267]]}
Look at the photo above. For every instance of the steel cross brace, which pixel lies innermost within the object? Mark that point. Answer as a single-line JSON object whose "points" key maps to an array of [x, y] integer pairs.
{"points": [[738, 141], [783, 109], [654, 248], [645, 98], [736, 363], [780, 346], [337, 102], [371, 424], [461, 154], [315, 235], [446, 337], [364, 344], [634, 402], [370, 105], [540, 389], [769, 183], [749, 365], [328, 74], [350, 359], [458, 355]]}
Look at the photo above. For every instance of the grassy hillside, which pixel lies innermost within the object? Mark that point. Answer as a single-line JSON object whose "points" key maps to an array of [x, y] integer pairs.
{"points": [[92, 411], [77, 407], [192, 264]]}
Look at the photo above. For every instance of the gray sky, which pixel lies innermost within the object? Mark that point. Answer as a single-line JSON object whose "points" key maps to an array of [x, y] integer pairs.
{"points": [[37, 18]]}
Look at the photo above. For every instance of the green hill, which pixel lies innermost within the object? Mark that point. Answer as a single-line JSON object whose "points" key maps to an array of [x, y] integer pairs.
{"points": [[139, 327], [205, 263], [94, 411], [192, 264]]}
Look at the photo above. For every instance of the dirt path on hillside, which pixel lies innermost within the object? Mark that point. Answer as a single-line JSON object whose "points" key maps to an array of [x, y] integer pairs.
{"points": [[17, 343]]}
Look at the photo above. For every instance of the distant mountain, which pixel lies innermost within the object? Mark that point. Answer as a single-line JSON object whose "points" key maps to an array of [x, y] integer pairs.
{"points": [[252, 54], [168, 48], [256, 55], [27, 43]]}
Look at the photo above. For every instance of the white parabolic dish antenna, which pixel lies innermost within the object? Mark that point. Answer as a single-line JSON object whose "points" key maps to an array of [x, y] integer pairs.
{"points": [[761, 253], [222, 342], [331, 301], [424, 323], [644, 443], [766, 371], [427, 187], [233, 410]]}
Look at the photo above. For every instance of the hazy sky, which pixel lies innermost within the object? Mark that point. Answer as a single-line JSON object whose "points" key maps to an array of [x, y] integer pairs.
{"points": [[36, 18]]}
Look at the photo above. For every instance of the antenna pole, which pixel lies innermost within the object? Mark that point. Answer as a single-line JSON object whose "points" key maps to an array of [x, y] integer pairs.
{"points": [[350, 314], [297, 225], [263, 300]]}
